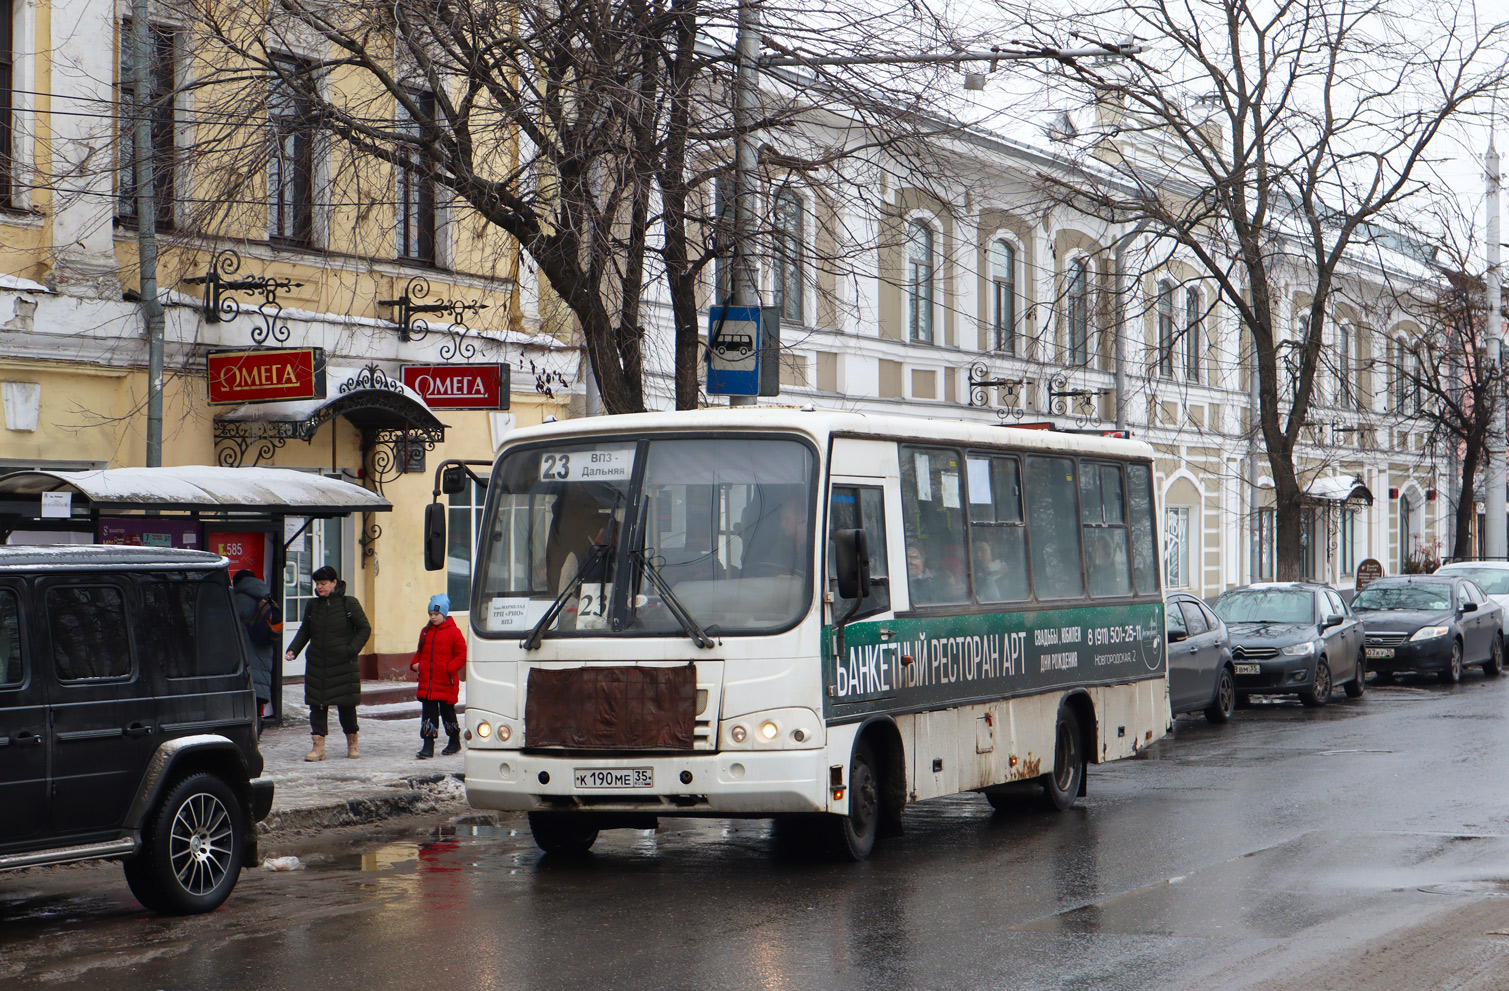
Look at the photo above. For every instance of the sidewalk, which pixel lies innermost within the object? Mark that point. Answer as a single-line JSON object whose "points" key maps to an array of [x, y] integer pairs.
{"points": [[387, 780]]}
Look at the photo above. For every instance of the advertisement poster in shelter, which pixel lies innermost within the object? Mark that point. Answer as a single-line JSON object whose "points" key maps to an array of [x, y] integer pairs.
{"points": [[151, 531], [244, 549]]}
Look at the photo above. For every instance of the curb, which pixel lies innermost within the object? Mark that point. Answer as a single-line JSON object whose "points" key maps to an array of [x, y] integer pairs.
{"points": [[425, 794]]}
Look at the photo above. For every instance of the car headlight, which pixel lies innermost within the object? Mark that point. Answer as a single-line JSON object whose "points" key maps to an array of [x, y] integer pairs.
{"points": [[1298, 649], [1430, 632]]}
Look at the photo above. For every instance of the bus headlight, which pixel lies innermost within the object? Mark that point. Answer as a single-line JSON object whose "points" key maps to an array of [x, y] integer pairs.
{"points": [[773, 729], [484, 730]]}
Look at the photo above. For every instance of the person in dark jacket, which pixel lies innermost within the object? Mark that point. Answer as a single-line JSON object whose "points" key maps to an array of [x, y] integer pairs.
{"points": [[440, 659], [251, 590], [336, 629]]}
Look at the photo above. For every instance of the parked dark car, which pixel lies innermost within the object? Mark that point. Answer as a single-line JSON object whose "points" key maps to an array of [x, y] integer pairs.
{"points": [[1422, 623], [1293, 638], [1200, 674], [127, 720]]}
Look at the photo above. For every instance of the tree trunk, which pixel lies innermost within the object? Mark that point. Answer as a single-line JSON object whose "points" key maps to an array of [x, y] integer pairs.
{"points": [[1466, 501]]}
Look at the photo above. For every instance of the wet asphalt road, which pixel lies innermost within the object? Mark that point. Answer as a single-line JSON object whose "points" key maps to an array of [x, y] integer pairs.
{"points": [[1290, 841]]}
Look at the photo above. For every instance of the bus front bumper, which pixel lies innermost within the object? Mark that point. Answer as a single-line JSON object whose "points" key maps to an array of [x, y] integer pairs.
{"points": [[755, 783]]}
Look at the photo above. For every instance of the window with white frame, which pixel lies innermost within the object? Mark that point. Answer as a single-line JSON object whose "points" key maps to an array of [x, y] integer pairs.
{"points": [[415, 188], [1166, 329], [290, 164], [1176, 550], [919, 281], [1191, 343], [157, 106], [789, 234], [1003, 296], [1079, 312]]}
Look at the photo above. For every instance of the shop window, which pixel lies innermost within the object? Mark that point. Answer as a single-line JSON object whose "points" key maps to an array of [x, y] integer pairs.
{"points": [[1176, 550]]}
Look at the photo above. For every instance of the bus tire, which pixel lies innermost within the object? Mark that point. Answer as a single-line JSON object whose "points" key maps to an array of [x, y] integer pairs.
{"points": [[852, 836], [1061, 785], [564, 834]]}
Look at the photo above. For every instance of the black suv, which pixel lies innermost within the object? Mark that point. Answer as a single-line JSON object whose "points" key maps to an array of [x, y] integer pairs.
{"points": [[127, 720]]}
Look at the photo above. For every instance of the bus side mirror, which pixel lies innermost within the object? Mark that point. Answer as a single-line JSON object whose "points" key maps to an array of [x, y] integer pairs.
{"points": [[452, 480], [851, 563], [434, 536]]}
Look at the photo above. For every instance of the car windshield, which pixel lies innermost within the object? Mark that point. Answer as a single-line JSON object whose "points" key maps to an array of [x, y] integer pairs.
{"points": [[1417, 598], [1494, 581], [1267, 605], [722, 523]]}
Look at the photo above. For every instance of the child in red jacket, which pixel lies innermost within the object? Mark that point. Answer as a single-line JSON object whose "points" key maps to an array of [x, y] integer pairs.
{"points": [[440, 659]]}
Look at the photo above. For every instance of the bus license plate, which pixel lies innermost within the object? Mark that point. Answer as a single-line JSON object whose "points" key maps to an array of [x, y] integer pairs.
{"points": [[1248, 669], [1380, 653], [615, 777]]}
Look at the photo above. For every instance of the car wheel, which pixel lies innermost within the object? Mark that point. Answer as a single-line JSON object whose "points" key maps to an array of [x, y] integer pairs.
{"points": [[1359, 683], [1453, 672], [565, 834], [1061, 785], [1319, 692], [852, 836], [1219, 710], [191, 848], [1495, 663]]}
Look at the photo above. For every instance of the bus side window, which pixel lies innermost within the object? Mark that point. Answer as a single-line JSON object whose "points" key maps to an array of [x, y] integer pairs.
{"points": [[1053, 528], [1103, 515], [861, 508], [932, 505], [997, 531], [1140, 518]]}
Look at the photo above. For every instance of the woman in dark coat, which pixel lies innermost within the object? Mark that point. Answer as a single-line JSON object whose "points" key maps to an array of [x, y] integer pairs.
{"points": [[440, 659], [251, 590], [335, 629]]}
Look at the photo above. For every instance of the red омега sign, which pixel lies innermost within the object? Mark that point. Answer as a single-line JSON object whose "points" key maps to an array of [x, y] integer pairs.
{"points": [[266, 375], [459, 386]]}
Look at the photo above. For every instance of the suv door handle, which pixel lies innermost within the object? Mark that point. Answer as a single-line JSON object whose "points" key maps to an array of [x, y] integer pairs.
{"points": [[25, 738], [137, 730]]}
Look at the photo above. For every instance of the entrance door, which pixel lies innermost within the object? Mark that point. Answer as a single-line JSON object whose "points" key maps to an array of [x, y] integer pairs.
{"points": [[23, 726], [322, 542]]}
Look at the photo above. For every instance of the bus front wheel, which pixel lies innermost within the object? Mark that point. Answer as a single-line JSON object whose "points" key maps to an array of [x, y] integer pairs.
{"points": [[566, 834], [852, 836], [1061, 785]]}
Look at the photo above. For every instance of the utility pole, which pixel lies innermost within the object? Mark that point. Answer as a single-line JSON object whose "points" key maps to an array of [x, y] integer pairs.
{"points": [[146, 222], [1496, 539]]}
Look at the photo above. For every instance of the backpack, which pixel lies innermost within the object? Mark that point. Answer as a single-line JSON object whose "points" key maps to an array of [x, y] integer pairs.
{"points": [[265, 628]]}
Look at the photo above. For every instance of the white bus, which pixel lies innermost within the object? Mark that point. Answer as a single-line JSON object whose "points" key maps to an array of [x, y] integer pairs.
{"points": [[650, 635]]}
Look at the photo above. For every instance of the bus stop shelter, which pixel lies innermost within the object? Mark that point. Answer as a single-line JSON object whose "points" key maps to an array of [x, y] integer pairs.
{"points": [[250, 515]]}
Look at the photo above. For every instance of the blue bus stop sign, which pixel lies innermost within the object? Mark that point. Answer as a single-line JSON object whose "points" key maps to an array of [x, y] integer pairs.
{"points": [[733, 351]]}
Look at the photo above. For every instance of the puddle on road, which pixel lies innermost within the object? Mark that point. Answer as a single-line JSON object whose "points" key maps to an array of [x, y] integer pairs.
{"points": [[1476, 889]]}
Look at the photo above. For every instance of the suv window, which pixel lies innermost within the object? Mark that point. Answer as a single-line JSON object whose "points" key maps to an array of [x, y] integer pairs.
{"points": [[89, 639], [1194, 618], [11, 672], [184, 624]]}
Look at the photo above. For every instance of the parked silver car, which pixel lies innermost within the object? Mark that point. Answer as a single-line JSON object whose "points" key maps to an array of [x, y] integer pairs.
{"points": [[1200, 673]]}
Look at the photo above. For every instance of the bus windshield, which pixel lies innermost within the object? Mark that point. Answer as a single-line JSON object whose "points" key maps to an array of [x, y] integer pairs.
{"points": [[723, 524]]}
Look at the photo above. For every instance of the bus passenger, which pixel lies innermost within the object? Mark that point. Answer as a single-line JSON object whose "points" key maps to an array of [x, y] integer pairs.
{"points": [[779, 551], [927, 588], [990, 573]]}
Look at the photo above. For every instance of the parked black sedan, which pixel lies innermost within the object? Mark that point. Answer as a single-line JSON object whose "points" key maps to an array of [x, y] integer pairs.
{"points": [[1422, 623], [1293, 638], [1200, 675]]}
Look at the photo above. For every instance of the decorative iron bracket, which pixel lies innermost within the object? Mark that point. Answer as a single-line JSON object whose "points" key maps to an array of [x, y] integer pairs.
{"points": [[1064, 401], [220, 307], [412, 325], [979, 381], [233, 438]]}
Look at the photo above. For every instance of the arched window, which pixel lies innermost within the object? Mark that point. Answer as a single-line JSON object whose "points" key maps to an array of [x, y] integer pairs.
{"points": [[1191, 347], [1166, 329], [789, 230], [919, 281], [1079, 312], [1003, 296]]}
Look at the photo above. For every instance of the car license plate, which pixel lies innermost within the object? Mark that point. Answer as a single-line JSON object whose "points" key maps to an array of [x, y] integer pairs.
{"points": [[1248, 669], [1380, 653], [615, 777]]}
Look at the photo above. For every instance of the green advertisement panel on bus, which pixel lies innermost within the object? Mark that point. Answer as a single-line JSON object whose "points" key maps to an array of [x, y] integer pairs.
{"points": [[937, 661]]}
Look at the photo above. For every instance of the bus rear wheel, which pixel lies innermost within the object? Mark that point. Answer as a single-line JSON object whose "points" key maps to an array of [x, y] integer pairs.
{"points": [[566, 834], [852, 836], [1061, 785]]}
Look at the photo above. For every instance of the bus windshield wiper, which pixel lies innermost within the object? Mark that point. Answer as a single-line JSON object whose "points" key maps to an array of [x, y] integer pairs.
{"points": [[532, 642], [688, 624]]}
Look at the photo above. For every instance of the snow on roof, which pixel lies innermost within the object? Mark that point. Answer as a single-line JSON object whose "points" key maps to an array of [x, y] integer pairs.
{"points": [[203, 487], [1333, 489]]}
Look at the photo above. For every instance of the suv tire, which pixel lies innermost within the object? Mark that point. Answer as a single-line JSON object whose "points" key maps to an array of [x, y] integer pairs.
{"points": [[191, 848]]}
